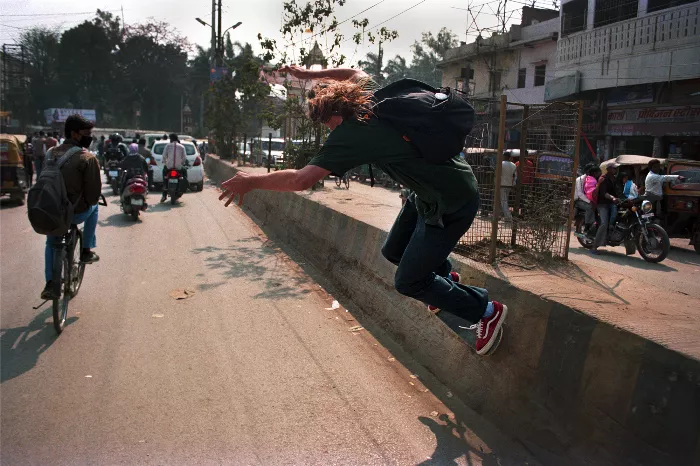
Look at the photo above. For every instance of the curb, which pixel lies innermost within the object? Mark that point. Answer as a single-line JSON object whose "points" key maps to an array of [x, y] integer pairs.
{"points": [[573, 389]]}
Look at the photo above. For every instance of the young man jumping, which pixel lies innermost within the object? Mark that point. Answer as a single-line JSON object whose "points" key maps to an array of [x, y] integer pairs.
{"points": [[443, 203]]}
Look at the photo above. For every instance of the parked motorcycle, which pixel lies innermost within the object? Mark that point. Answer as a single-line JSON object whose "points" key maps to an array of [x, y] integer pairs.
{"points": [[134, 196], [633, 227], [176, 183]]}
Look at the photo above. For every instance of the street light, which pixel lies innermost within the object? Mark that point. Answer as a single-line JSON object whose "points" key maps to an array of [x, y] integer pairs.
{"points": [[202, 22], [232, 27]]}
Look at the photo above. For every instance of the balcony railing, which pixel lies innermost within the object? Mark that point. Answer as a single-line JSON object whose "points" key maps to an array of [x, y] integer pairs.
{"points": [[668, 29]]}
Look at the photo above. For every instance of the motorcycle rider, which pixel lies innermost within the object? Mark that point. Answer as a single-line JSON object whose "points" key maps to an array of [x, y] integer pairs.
{"points": [[581, 201], [654, 182], [606, 199], [133, 164], [174, 158], [83, 181], [147, 154], [115, 149]]}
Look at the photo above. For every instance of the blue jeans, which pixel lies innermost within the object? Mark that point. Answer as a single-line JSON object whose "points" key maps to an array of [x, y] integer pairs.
{"points": [[89, 240], [38, 164], [421, 252]]}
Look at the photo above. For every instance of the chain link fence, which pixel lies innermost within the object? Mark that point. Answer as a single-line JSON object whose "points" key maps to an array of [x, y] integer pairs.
{"points": [[524, 158]]}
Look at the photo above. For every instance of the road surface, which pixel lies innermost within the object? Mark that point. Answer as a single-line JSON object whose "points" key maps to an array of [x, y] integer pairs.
{"points": [[255, 367]]}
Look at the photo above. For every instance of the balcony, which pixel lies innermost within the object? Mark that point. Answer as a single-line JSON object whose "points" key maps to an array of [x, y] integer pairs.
{"points": [[657, 47]]}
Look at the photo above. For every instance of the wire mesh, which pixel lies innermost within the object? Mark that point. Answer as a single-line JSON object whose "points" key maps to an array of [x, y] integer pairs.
{"points": [[533, 212]]}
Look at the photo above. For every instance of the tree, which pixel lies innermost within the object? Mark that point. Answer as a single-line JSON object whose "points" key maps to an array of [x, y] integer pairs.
{"points": [[428, 52], [233, 100], [374, 63], [396, 69], [41, 46]]}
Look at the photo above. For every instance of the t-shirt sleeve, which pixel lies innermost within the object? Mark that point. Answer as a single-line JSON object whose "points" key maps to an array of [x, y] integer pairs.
{"points": [[339, 153]]}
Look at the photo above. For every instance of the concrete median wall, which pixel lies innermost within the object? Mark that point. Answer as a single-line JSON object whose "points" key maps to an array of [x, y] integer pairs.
{"points": [[573, 389]]}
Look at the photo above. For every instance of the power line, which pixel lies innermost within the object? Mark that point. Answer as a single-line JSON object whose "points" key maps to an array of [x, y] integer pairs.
{"points": [[387, 20], [63, 14]]}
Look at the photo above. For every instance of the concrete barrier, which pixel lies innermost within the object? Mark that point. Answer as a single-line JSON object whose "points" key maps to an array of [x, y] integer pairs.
{"points": [[573, 389]]}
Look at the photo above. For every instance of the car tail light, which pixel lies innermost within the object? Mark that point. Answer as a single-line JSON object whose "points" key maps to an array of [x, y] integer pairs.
{"points": [[197, 161], [173, 174], [138, 189]]}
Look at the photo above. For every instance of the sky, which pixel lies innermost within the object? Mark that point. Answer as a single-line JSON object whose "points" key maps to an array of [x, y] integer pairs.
{"points": [[261, 16]]}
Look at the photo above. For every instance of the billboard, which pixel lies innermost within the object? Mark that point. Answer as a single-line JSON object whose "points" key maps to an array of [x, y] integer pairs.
{"points": [[59, 115]]}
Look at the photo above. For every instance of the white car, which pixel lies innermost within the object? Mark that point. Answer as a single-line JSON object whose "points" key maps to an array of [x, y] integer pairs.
{"points": [[195, 171]]}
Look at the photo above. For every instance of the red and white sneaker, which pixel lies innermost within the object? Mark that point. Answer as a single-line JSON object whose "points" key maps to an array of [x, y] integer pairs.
{"points": [[455, 277], [487, 329]]}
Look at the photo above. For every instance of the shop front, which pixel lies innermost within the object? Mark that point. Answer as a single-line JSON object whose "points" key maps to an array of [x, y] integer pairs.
{"points": [[662, 132]]}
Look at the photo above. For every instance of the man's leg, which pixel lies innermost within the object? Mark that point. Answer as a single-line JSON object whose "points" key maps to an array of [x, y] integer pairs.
{"points": [[38, 165], [165, 185], [89, 218], [426, 252], [505, 211], [602, 235]]}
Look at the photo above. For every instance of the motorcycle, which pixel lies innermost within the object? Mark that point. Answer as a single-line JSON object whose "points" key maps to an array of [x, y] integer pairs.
{"points": [[176, 183], [114, 173], [634, 228], [133, 198]]}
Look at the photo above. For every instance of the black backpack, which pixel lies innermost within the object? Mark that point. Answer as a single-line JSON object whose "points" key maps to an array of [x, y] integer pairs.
{"points": [[49, 209], [435, 121]]}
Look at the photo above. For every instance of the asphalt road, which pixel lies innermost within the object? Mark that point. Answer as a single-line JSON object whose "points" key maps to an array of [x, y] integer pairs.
{"points": [[253, 368]]}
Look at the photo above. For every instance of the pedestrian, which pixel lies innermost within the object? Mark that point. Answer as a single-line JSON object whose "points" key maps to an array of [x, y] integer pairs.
{"points": [[440, 210], [508, 177], [39, 145], [28, 162], [527, 179], [404, 195], [606, 200]]}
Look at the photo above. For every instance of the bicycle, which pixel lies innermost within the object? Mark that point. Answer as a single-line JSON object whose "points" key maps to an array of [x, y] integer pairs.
{"points": [[68, 272], [345, 179]]}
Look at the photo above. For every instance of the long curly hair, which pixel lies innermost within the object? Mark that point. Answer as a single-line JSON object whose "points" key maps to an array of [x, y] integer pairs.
{"points": [[350, 100]]}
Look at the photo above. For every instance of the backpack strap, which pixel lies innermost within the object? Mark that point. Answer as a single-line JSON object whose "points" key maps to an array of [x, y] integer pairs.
{"points": [[67, 156]]}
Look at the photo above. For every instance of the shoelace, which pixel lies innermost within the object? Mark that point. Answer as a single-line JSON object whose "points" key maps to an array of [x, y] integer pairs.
{"points": [[478, 328]]}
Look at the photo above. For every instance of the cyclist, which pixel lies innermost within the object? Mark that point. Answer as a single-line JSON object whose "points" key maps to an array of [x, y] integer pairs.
{"points": [[83, 180]]}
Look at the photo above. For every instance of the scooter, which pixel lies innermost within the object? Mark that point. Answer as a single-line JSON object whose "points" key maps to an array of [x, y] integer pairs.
{"points": [[114, 173], [134, 196]]}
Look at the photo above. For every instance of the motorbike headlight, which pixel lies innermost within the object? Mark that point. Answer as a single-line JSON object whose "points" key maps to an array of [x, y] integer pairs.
{"points": [[647, 207]]}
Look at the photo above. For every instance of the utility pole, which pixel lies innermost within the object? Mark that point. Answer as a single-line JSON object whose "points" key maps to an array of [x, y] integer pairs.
{"points": [[212, 52], [221, 39]]}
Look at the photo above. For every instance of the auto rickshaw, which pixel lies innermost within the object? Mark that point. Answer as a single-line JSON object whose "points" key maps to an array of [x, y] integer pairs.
{"points": [[12, 168], [681, 204]]}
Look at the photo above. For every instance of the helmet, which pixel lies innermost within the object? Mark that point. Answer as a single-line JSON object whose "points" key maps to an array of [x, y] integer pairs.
{"points": [[133, 148]]}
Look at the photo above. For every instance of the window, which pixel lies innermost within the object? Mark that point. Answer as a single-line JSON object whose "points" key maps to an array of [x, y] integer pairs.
{"points": [[540, 73], [494, 81], [574, 16], [656, 5], [612, 11], [522, 74]]}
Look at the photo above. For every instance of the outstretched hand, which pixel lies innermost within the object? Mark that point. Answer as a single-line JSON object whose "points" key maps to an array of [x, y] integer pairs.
{"points": [[295, 70], [239, 185]]}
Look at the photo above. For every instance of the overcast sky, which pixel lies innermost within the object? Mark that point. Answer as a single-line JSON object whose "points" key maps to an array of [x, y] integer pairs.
{"points": [[262, 16]]}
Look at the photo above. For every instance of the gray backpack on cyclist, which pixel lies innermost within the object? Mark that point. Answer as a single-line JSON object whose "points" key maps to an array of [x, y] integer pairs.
{"points": [[49, 209]]}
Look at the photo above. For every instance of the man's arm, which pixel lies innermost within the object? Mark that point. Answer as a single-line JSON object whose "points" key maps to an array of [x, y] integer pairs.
{"points": [[336, 74], [92, 181], [283, 180]]}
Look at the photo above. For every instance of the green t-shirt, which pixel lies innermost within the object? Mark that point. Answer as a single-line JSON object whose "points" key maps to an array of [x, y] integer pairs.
{"points": [[440, 188]]}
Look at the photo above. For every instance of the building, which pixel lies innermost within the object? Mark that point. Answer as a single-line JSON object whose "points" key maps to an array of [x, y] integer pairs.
{"points": [[517, 63], [636, 63]]}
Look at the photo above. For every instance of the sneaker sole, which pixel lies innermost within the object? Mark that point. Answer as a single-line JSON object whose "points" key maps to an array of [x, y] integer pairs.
{"points": [[491, 342]]}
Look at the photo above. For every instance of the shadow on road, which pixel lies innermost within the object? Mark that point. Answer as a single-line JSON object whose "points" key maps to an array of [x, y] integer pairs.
{"points": [[608, 255], [256, 263], [7, 203], [119, 220], [20, 347], [452, 443]]}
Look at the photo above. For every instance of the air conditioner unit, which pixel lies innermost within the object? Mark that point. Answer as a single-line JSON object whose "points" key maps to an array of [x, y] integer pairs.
{"points": [[467, 73]]}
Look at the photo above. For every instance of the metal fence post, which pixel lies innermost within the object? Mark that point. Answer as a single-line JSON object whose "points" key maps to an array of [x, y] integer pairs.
{"points": [[522, 162], [497, 179], [574, 176], [269, 151]]}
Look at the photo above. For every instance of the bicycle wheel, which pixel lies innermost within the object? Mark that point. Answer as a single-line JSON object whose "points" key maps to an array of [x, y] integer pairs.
{"points": [[77, 268], [346, 180], [338, 181], [60, 305]]}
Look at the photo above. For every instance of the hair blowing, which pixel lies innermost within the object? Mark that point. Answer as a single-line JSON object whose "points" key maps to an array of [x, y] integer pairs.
{"points": [[347, 99]]}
